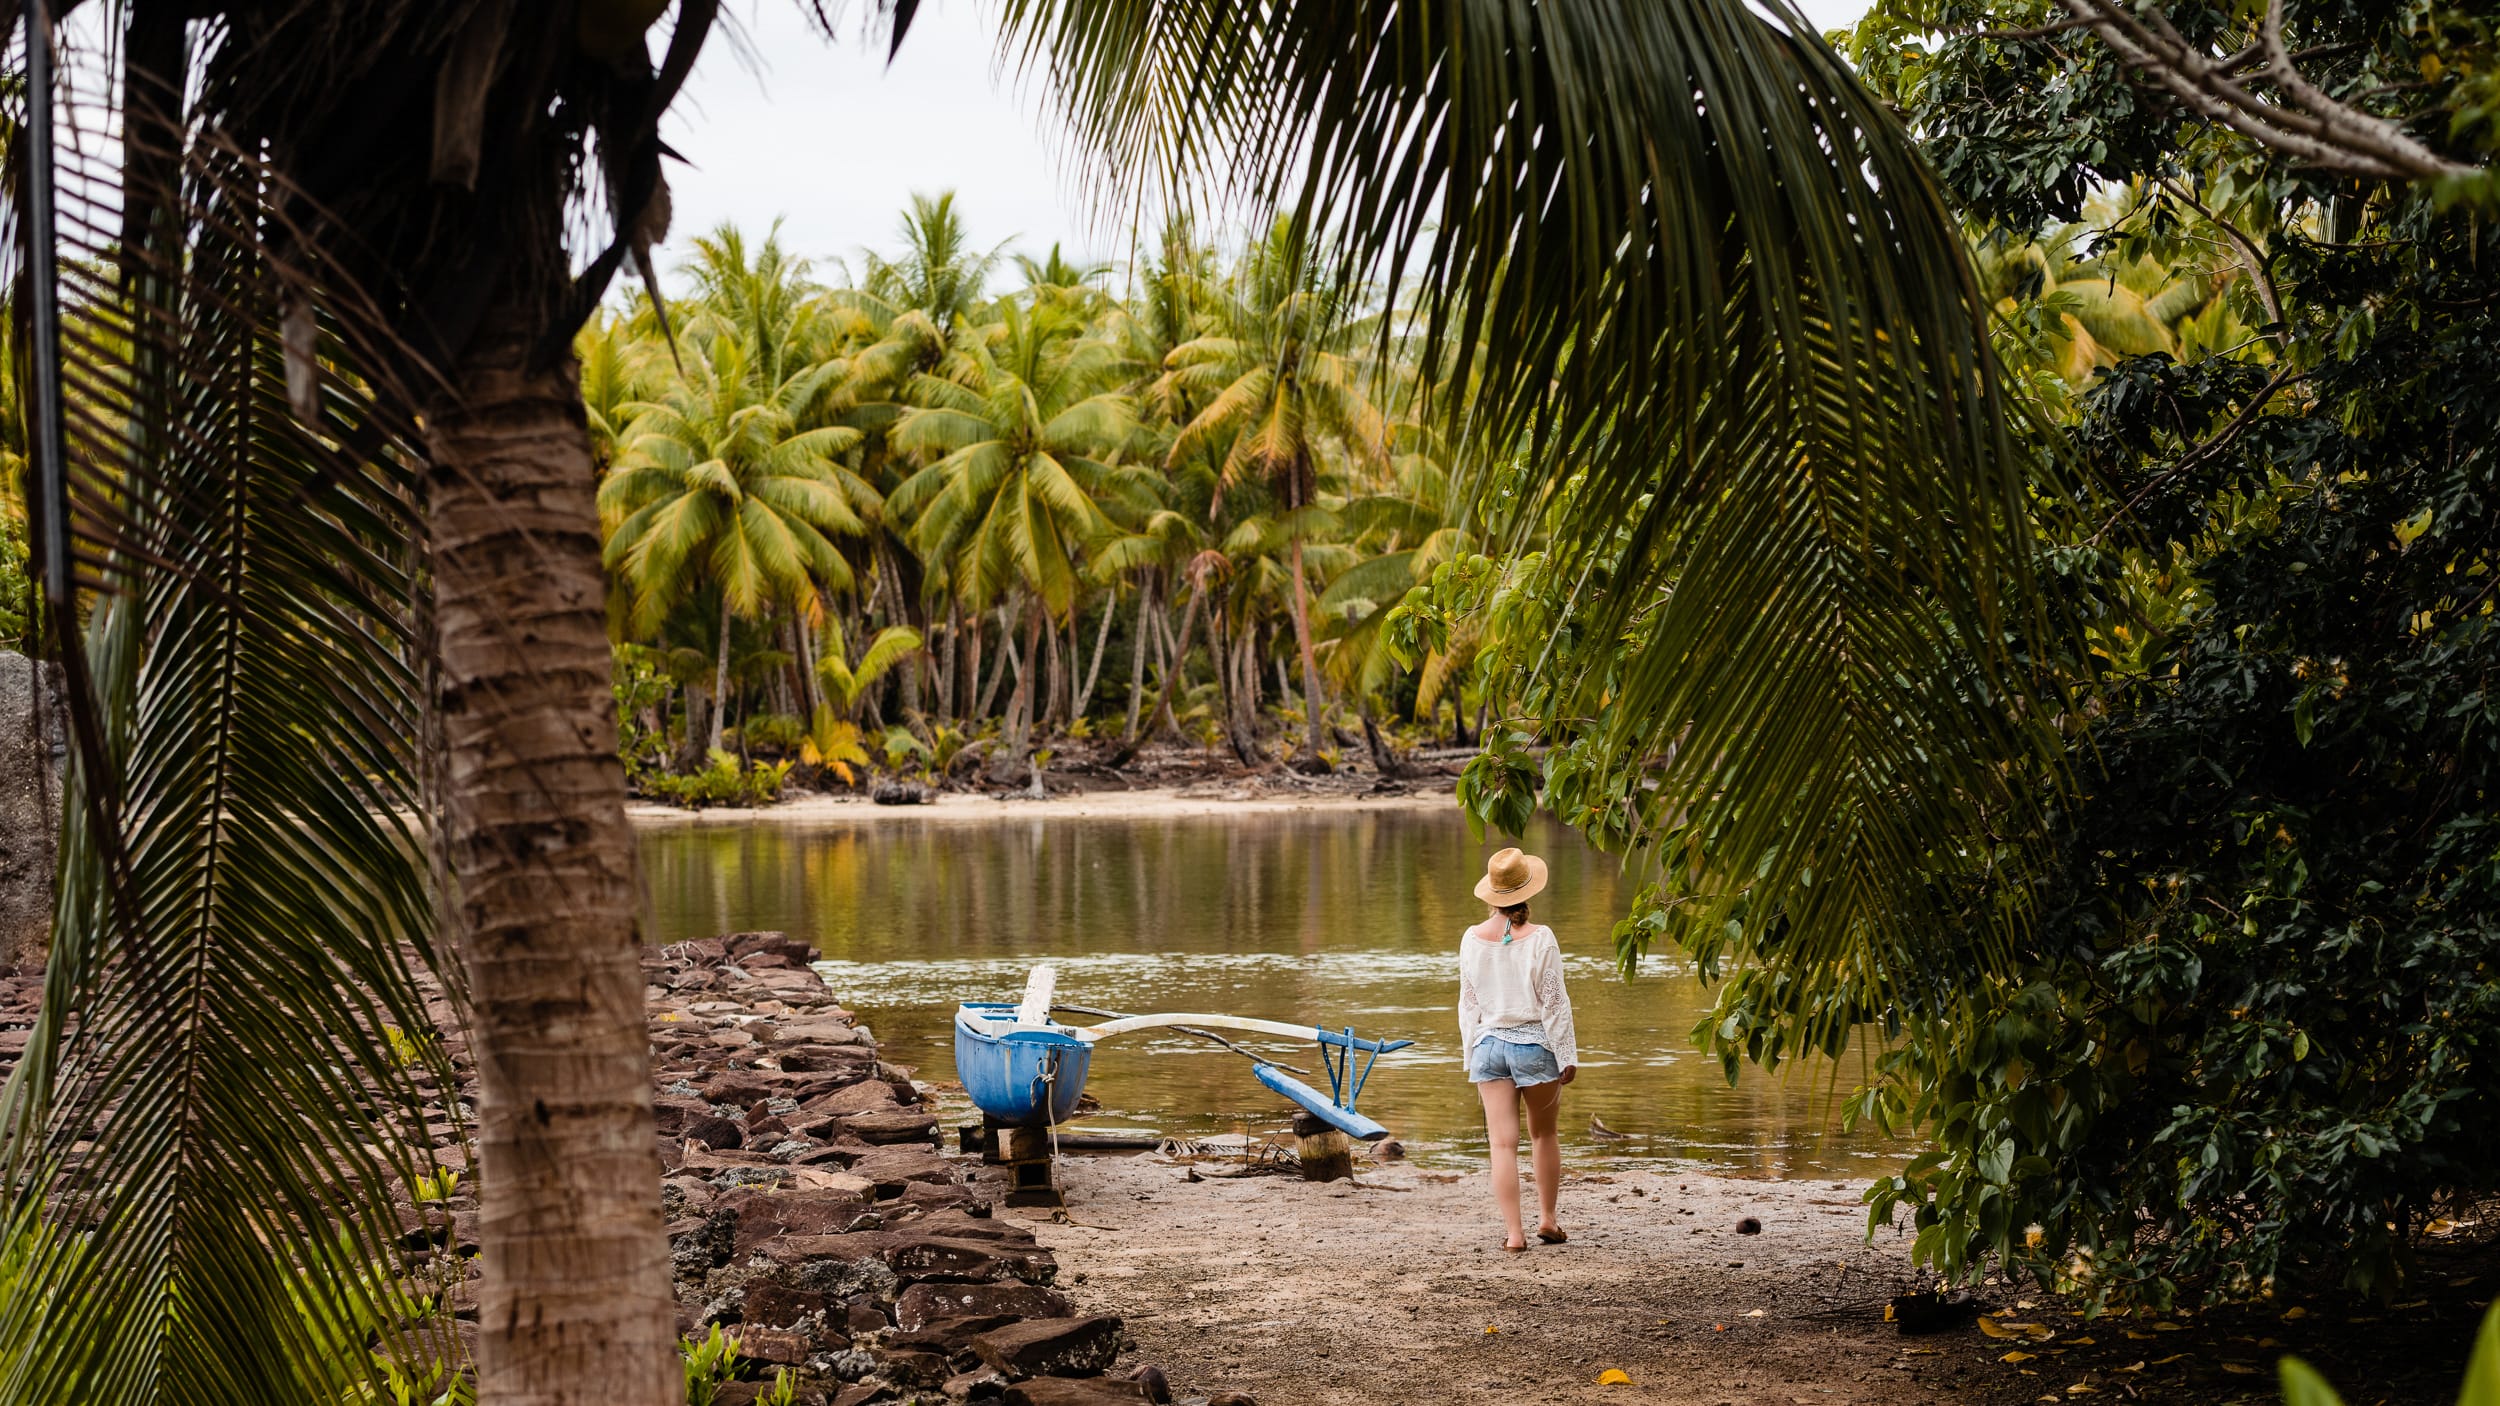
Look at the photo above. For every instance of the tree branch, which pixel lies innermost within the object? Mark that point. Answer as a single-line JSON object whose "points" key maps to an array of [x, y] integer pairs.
{"points": [[2283, 376], [2310, 126], [2250, 259]]}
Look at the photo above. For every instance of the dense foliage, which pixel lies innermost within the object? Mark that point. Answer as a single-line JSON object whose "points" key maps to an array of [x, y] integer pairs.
{"points": [[2215, 1003], [2252, 1034], [911, 524], [2257, 1032]]}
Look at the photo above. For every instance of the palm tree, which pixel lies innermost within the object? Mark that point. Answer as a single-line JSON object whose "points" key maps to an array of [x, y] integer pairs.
{"points": [[1675, 251], [1008, 500], [616, 372], [2106, 305], [940, 276], [716, 480], [1402, 533], [1280, 378]]}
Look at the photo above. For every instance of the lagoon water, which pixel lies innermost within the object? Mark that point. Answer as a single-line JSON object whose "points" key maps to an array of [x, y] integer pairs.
{"points": [[1349, 917]]}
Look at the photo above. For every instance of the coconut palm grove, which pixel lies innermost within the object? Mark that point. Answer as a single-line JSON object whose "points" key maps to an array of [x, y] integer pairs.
{"points": [[1983, 524]]}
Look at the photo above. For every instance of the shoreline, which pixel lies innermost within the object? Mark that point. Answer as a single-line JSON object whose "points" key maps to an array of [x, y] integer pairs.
{"points": [[1244, 796]]}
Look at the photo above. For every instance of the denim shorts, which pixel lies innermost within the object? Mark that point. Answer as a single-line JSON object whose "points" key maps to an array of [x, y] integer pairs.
{"points": [[1524, 1065]]}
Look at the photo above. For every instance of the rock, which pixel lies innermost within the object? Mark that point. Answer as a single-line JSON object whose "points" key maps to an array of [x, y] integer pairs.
{"points": [[898, 1126], [33, 748], [864, 1279], [912, 1366], [820, 1179], [922, 1303], [826, 1059], [670, 1113], [780, 944], [763, 1215], [937, 1196], [775, 1305], [923, 1257], [1074, 1391], [771, 1344], [861, 1393], [899, 793], [1388, 1150], [1749, 1226], [949, 1337], [1232, 1398], [1150, 1378], [982, 1384], [893, 1168], [1065, 1347], [737, 1088], [715, 1132], [861, 1315], [866, 1096]]}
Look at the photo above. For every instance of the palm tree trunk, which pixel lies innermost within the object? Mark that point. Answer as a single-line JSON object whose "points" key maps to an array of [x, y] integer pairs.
{"points": [[575, 1306], [1102, 641], [720, 676], [1054, 694], [1311, 706], [1241, 733], [807, 661], [972, 701], [1136, 661], [950, 672], [1020, 705], [1384, 761], [1171, 678]]}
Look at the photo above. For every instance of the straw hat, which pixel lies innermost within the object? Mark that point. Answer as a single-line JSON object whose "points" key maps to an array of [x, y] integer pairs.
{"points": [[1511, 878]]}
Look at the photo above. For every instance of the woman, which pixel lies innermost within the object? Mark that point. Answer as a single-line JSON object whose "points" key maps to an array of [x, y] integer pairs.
{"points": [[1514, 1022]]}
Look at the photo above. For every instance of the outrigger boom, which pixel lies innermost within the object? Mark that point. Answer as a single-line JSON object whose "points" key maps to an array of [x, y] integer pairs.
{"points": [[1342, 1039], [1024, 1069], [1345, 1081]]}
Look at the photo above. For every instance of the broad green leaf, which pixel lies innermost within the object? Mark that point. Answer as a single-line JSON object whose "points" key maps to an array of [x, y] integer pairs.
{"points": [[2302, 1386]]}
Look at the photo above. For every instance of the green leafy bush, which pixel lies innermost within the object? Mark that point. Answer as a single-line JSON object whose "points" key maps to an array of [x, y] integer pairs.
{"points": [[721, 783], [712, 1362], [641, 679], [777, 733], [16, 594]]}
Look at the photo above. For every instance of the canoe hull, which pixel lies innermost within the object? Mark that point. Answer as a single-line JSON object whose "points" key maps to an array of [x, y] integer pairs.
{"points": [[1027, 1078]]}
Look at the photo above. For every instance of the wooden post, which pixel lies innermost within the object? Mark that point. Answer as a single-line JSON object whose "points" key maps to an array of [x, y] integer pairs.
{"points": [[1026, 1154], [1327, 1155]]}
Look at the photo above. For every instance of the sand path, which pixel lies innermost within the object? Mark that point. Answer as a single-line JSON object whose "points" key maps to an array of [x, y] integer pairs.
{"points": [[1383, 1292]]}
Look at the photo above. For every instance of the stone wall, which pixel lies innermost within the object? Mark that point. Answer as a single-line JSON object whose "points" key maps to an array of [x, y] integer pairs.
{"points": [[32, 750]]}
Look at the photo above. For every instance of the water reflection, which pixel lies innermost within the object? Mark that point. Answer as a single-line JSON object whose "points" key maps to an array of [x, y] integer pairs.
{"points": [[1344, 918]]}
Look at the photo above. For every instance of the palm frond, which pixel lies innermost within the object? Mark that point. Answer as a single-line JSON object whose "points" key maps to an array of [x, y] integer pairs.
{"points": [[1680, 258], [202, 1142]]}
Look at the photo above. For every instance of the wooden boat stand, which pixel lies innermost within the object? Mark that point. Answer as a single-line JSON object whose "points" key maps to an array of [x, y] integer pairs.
{"points": [[1024, 1152]]}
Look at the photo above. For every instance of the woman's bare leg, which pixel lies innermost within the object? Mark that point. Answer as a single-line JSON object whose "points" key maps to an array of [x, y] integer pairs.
{"points": [[1501, 1129], [1544, 1108]]}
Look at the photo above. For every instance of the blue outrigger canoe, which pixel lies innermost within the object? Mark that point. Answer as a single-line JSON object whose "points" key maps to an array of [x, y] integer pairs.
{"points": [[1018, 1075], [1023, 1070]]}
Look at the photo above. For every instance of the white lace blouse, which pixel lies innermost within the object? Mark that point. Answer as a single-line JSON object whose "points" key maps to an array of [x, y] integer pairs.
{"points": [[1515, 989]]}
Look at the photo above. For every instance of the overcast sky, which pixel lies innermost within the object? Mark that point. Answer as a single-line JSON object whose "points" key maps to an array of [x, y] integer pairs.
{"points": [[825, 137]]}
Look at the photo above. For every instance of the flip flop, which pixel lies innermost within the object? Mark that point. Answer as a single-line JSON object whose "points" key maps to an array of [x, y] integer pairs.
{"points": [[1552, 1237], [1511, 1249]]}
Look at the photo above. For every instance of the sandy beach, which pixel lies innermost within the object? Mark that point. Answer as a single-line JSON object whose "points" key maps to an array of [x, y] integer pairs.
{"points": [[1393, 1291], [1229, 797]]}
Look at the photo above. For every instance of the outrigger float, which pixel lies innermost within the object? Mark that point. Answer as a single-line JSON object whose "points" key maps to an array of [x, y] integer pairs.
{"points": [[1025, 1070]]}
